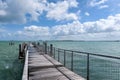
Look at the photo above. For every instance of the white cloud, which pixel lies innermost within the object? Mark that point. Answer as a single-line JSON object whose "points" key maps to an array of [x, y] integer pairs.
{"points": [[2, 13], [36, 28], [59, 11], [72, 3], [100, 4], [103, 25], [93, 30], [73, 28], [14, 11], [92, 36], [103, 6], [94, 3], [87, 14], [35, 31], [110, 24], [108, 28]]}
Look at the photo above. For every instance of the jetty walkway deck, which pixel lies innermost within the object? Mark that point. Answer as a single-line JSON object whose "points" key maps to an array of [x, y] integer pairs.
{"points": [[40, 66]]}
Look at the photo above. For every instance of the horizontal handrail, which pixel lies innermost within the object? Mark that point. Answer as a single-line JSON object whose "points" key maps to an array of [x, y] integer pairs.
{"points": [[108, 56], [87, 59]]}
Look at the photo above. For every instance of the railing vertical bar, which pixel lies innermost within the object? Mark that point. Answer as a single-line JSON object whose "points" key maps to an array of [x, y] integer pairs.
{"points": [[72, 61], [51, 50], [20, 51], [54, 52], [88, 66], [48, 49], [58, 55], [64, 58], [45, 47]]}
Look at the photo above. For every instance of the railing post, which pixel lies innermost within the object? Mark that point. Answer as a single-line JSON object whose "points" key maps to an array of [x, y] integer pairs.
{"points": [[51, 50], [38, 43], [58, 55], [72, 61], [88, 66], [48, 49], [54, 52], [19, 48], [20, 51], [45, 48], [64, 58]]}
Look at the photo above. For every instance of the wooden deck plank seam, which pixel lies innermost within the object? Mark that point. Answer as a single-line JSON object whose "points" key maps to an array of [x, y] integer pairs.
{"points": [[39, 50], [58, 69]]}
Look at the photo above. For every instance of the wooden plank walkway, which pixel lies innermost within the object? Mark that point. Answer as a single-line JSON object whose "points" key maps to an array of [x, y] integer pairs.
{"points": [[44, 67]]}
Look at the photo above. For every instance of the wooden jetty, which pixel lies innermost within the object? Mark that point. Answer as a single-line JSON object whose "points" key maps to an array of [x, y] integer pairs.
{"points": [[40, 66]]}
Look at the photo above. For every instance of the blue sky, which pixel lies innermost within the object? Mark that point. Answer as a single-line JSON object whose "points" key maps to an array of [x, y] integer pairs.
{"points": [[59, 19]]}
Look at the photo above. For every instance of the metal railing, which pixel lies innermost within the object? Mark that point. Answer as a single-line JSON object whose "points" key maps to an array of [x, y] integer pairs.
{"points": [[90, 66]]}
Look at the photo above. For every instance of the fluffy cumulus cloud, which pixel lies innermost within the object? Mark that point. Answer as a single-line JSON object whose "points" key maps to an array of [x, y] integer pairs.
{"points": [[16, 11], [112, 23], [101, 29], [34, 31], [100, 4], [20, 11], [59, 10], [73, 28]]}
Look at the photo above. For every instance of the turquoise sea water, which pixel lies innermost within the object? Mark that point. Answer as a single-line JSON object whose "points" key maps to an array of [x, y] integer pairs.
{"points": [[100, 69], [10, 65], [97, 47]]}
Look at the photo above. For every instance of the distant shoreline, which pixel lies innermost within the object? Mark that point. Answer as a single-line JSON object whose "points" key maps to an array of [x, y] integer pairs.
{"points": [[62, 40]]}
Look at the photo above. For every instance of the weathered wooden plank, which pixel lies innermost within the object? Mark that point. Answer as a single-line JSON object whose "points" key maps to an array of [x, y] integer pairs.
{"points": [[49, 78], [38, 59], [42, 71], [44, 67], [47, 74], [71, 75], [56, 63], [38, 62], [36, 56]]}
